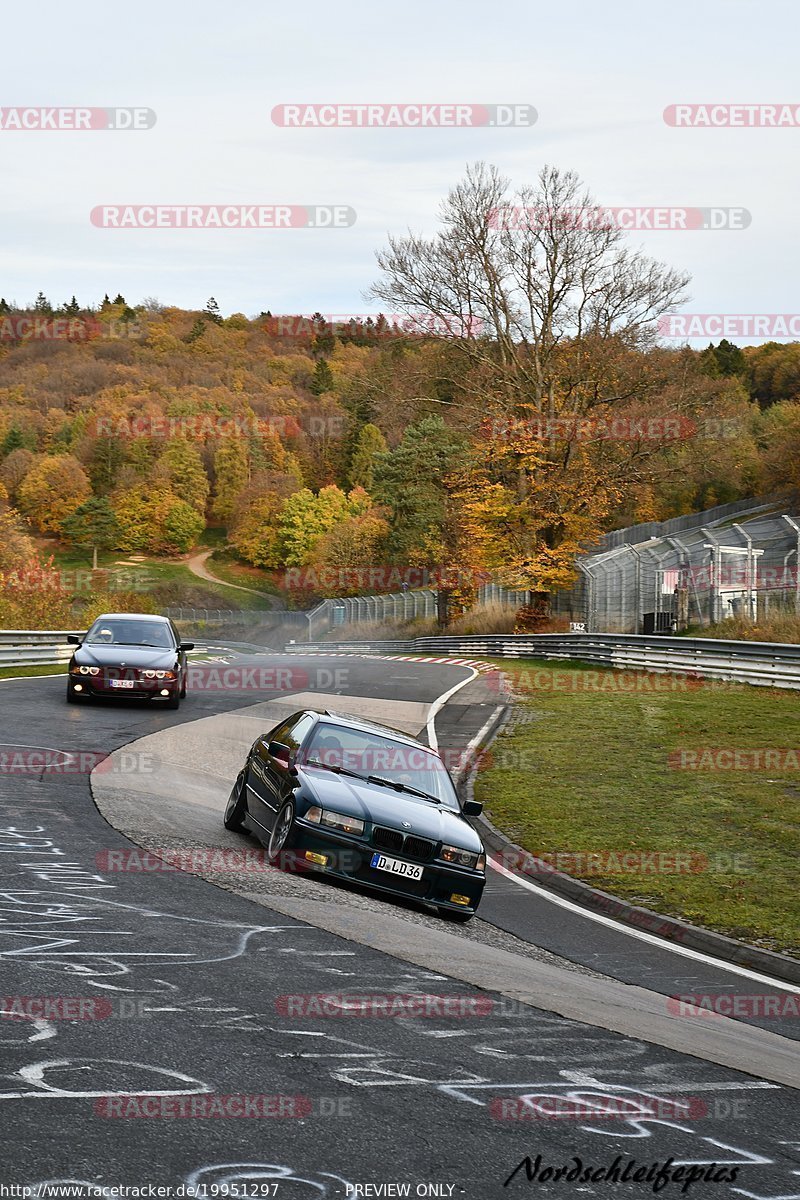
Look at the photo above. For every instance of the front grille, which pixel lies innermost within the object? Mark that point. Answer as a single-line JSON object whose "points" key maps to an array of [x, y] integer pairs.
{"points": [[387, 839], [417, 847]]}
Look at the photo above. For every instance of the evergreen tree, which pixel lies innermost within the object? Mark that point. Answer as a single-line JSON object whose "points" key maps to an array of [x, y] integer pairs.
{"points": [[197, 331], [322, 379], [211, 311], [93, 524], [14, 440], [725, 359], [72, 308], [108, 456], [369, 444], [410, 483], [106, 302], [324, 341], [43, 305], [119, 298], [4, 308]]}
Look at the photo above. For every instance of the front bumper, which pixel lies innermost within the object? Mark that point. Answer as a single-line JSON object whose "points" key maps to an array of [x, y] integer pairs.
{"points": [[350, 859], [102, 687]]}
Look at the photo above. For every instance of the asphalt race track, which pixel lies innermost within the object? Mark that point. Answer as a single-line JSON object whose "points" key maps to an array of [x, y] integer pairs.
{"points": [[165, 1029]]}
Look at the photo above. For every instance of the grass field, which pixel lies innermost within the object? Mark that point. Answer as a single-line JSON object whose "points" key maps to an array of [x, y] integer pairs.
{"points": [[171, 579], [601, 761]]}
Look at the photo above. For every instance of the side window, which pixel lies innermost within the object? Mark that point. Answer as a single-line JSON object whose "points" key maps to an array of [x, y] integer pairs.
{"points": [[292, 732], [296, 734]]}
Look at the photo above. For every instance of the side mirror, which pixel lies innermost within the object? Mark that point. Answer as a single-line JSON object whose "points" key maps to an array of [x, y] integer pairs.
{"points": [[472, 808], [282, 754], [186, 646], [74, 639]]}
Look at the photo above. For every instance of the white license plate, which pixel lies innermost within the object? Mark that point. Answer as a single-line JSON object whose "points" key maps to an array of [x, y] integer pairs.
{"points": [[121, 682], [396, 866]]}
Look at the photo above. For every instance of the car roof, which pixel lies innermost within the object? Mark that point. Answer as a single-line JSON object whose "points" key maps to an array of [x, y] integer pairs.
{"points": [[129, 616], [351, 722]]}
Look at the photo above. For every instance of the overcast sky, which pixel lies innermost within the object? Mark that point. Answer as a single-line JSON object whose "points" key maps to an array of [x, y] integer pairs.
{"points": [[599, 76]]}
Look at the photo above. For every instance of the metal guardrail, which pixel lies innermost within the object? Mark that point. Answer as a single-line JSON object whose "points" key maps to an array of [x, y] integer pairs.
{"points": [[769, 664], [34, 647], [237, 616]]}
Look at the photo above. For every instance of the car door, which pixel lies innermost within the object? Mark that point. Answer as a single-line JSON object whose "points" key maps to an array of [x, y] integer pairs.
{"points": [[269, 781]]}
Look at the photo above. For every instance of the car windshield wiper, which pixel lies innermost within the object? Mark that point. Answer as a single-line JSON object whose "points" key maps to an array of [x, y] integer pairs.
{"points": [[313, 762], [403, 787]]}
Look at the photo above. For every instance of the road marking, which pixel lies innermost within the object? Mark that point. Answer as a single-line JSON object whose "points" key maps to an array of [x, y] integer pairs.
{"points": [[600, 918], [439, 702]]}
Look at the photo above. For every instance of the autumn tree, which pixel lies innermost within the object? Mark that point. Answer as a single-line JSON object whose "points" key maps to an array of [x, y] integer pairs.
{"points": [[181, 469], [16, 548], [306, 517], [155, 520], [51, 491], [231, 473], [13, 470], [254, 534], [353, 544], [778, 433], [773, 372]]}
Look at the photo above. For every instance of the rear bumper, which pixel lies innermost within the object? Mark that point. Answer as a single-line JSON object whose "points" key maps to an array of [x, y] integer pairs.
{"points": [[350, 859]]}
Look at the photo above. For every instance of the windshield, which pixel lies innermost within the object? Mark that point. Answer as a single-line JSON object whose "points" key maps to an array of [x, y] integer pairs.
{"points": [[107, 632], [369, 754]]}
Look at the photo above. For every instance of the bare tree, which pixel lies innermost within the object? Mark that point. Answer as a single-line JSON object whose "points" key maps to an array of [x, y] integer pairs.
{"points": [[516, 281]]}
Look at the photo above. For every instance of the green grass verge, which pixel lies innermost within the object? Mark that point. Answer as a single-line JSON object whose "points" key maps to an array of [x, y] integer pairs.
{"points": [[168, 575], [39, 669], [233, 571], [585, 766]]}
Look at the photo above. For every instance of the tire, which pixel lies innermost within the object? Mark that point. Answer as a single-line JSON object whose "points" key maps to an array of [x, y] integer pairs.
{"points": [[283, 833], [183, 687], [174, 702], [236, 806], [458, 918]]}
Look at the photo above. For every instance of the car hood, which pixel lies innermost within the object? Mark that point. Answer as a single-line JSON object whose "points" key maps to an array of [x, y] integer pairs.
{"points": [[384, 806], [101, 655]]}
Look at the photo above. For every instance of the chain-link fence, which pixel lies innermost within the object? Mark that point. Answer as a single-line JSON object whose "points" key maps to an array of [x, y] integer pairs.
{"points": [[695, 570], [396, 607]]}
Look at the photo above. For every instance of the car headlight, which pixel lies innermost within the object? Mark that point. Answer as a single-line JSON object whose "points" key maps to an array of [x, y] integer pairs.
{"points": [[158, 674], [334, 820], [464, 858], [88, 670]]}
